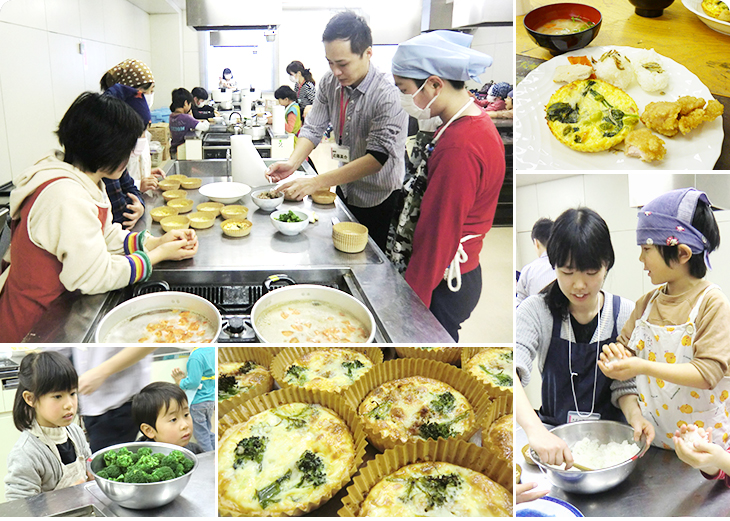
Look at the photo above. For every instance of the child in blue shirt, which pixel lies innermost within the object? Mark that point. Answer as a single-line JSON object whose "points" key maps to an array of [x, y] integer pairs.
{"points": [[201, 379]]}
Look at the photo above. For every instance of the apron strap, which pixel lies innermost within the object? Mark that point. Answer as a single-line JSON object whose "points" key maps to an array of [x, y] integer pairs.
{"points": [[696, 309], [616, 301], [645, 315], [452, 275]]}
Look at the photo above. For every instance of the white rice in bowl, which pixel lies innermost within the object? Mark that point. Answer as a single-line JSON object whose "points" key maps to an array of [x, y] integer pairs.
{"points": [[595, 455]]}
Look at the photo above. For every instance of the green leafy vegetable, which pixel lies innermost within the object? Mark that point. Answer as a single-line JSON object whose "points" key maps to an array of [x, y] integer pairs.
{"points": [[250, 449], [227, 387], [143, 466], [503, 379], [298, 374], [437, 489], [289, 217], [381, 411], [562, 113], [268, 494], [295, 421], [439, 430], [351, 366], [312, 468], [444, 403]]}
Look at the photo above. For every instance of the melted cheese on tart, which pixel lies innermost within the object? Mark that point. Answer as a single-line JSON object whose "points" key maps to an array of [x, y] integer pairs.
{"points": [[591, 115], [416, 408], [266, 466], [493, 365], [328, 369], [245, 375], [437, 489], [310, 321], [499, 436]]}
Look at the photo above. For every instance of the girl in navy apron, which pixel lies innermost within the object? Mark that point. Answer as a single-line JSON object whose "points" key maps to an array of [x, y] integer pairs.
{"points": [[565, 328]]}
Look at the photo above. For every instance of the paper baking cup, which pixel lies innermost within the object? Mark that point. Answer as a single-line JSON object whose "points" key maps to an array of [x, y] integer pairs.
{"points": [[289, 355], [469, 351], [470, 387], [446, 354], [460, 453], [242, 354], [246, 410], [499, 405]]}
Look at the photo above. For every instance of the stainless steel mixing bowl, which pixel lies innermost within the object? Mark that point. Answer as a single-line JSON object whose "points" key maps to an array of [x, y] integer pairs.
{"points": [[140, 496], [593, 481]]}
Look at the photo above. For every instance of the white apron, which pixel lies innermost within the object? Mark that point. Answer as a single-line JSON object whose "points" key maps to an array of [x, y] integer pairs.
{"points": [[73, 472], [669, 406]]}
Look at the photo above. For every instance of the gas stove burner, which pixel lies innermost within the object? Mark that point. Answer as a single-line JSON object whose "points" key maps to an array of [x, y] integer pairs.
{"points": [[7, 367], [237, 328]]}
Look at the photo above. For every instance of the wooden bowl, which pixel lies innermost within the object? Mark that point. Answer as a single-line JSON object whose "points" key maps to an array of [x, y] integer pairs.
{"points": [[175, 222], [234, 211], [191, 183], [182, 205], [350, 237], [201, 220], [236, 227], [161, 212]]}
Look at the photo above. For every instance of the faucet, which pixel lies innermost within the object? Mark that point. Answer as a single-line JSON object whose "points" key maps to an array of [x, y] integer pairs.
{"points": [[228, 162], [240, 118]]}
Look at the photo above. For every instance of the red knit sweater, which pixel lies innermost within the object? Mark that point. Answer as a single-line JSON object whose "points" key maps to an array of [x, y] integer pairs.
{"points": [[465, 175]]}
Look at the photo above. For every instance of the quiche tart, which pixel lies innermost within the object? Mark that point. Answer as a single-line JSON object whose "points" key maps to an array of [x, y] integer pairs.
{"points": [[330, 370], [416, 408], [285, 458], [493, 365], [499, 437], [238, 377], [437, 489], [716, 9], [591, 115]]}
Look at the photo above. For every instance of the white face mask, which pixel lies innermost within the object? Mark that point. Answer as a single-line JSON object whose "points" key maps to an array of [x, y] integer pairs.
{"points": [[409, 105], [293, 78], [150, 98], [201, 104], [227, 77], [491, 99], [140, 147]]}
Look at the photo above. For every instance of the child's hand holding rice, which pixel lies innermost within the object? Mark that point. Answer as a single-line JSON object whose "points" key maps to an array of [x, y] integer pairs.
{"points": [[694, 448], [618, 363]]}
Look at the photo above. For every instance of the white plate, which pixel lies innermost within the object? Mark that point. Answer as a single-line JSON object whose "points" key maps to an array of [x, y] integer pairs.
{"points": [[537, 148], [226, 193], [547, 507], [713, 23]]}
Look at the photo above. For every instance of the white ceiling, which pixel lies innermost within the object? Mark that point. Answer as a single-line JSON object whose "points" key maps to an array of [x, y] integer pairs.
{"points": [[159, 6], [533, 179]]}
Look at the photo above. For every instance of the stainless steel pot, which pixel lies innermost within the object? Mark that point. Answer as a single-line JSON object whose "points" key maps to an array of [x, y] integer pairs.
{"points": [[592, 481], [298, 292], [140, 496], [236, 96], [256, 132], [159, 302]]}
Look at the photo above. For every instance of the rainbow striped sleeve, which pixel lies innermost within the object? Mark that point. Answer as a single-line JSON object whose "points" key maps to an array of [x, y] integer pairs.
{"points": [[141, 267], [134, 242]]}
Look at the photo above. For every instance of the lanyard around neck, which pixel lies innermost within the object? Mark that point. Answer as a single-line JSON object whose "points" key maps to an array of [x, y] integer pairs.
{"points": [[459, 113], [343, 113], [595, 375]]}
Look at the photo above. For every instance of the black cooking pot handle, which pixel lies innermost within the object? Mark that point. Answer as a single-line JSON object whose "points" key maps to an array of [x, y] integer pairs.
{"points": [[281, 277], [139, 288]]}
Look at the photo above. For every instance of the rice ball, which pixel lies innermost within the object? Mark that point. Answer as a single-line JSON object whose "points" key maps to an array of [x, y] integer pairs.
{"points": [[614, 68], [695, 435], [650, 71]]}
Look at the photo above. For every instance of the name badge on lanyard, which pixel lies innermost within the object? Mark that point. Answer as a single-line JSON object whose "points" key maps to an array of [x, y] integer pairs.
{"points": [[576, 416], [339, 152]]}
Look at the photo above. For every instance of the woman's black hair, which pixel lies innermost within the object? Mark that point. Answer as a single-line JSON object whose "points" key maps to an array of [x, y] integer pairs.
{"points": [[41, 373], [541, 230], [285, 91], [349, 26], [297, 66], [154, 399], [179, 97], [200, 93], [456, 84], [98, 133], [227, 71], [704, 221], [579, 240]]}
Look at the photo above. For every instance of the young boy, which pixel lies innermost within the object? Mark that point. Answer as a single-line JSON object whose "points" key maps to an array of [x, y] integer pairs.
{"points": [[200, 379], [160, 411], [201, 109], [678, 336]]}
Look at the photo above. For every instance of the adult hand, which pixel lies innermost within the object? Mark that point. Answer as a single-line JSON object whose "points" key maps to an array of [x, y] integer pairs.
{"points": [[136, 210], [622, 369], [280, 170], [158, 173], [551, 449], [177, 375], [642, 426], [524, 492], [614, 350], [300, 188], [91, 380]]}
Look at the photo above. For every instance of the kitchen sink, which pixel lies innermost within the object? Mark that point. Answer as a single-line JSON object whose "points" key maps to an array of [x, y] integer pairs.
{"points": [[84, 511], [210, 167]]}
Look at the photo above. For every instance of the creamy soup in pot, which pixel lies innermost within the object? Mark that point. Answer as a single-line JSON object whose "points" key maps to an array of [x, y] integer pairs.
{"points": [[163, 326], [310, 321]]}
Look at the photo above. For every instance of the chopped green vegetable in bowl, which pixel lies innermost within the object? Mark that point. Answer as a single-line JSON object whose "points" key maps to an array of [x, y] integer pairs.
{"points": [[143, 466], [289, 217]]}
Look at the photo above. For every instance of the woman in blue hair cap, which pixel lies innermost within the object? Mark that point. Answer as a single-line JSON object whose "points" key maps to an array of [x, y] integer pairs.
{"points": [[450, 202]]}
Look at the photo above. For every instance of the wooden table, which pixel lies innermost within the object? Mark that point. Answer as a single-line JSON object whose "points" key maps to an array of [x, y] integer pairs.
{"points": [[677, 34]]}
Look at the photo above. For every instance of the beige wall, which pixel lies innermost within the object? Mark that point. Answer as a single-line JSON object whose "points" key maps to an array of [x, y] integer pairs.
{"points": [[42, 70]]}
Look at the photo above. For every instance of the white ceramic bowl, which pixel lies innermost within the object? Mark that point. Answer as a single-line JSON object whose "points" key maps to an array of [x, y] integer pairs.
{"points": [[267, 205], [290, 228], [226, 193], [713, 23]]}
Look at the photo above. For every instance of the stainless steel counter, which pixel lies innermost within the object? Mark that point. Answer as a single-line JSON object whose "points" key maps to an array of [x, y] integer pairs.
{"points": [[198, 499], [660, 486], [400, 314]]}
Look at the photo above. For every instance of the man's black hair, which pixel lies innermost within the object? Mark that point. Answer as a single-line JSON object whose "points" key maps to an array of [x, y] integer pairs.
{"points": [[98, 133], [349, 26], [541, 230], [200, 93], [154, 399], [704, 221]]}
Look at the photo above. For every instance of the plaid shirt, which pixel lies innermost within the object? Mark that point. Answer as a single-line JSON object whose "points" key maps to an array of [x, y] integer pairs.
{"points": [[117, 191]]}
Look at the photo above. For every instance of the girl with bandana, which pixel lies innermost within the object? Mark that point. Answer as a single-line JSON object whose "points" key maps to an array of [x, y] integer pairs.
{"points": [[676, 342]]}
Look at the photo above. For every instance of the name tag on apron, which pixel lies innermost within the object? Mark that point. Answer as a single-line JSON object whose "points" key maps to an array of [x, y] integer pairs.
{"points": [[341, 153], [575, 416]]}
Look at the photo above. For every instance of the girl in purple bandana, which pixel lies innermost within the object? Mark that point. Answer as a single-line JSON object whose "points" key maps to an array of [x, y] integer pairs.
{"points": [[677, 341]]}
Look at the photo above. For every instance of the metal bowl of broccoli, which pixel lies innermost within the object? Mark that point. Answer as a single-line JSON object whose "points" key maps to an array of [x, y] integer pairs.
{"points": [[142, 474]]}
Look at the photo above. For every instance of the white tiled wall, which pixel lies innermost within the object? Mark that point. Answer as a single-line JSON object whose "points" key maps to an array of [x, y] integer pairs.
{"points": [[607, 194], [497, 42], [42, 70]]}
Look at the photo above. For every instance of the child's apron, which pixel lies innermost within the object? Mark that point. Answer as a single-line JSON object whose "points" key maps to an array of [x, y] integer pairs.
{"points": [[73, 472], [669, 406]]}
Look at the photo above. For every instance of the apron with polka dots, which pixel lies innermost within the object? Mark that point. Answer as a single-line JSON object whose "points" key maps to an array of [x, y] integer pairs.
{"points": [[669, 406]]}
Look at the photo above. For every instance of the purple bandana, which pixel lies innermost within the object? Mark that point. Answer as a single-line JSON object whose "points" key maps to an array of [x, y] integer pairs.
{"points": [[666, 221]]}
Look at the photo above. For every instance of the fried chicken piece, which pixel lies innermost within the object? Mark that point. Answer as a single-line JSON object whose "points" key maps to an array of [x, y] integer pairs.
{"points": [[645, 145], [662, 116], [688, 104], [713, 109]]}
